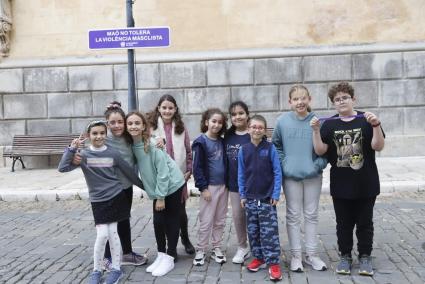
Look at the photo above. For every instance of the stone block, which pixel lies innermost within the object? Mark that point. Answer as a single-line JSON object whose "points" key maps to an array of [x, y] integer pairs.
{"points": [[271, 117], [147, 76], [377, 66], [327, 68], [192, 123], [259, 98], [11, 81], [183, 74], [10, 128], [366, 93], [69, 104], [414, 121], [404, 146], [47, 127], [230, 72], [102, 99], [88, 78], [148, 99], [25, 106], [199, 100], [318, 93], [51, 79], [277, 70], [414, 64], [392, 93], [415, 92], [392, 120], [80, 125]]}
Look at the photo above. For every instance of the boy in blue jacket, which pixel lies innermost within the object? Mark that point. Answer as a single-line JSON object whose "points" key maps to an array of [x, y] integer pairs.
{"points": [[260, 180]]}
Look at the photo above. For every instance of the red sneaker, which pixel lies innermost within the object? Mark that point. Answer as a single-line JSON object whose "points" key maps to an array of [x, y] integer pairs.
{"points": [[275, 273], [255, 265]]}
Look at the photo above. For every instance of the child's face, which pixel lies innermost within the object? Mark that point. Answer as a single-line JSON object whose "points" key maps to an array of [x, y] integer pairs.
{"points": [[214, 124], [135, 125], [343, 103], [167, 110], [239, 118], [257, 129], [116, 124], [97, 136], [300, 101]]}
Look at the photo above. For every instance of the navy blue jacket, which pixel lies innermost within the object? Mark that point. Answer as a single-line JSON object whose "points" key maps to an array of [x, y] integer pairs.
{"points": [[200, 162], [259, 171]]}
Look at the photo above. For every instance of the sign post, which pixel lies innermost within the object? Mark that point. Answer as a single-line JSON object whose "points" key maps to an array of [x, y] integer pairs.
{"points": [[130, 58]]}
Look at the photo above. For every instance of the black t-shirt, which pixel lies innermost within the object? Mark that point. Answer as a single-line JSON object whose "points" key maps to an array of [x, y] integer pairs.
{"points": [[353, 173]]}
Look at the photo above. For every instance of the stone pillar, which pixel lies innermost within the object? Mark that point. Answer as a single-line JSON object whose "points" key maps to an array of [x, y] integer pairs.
{"points": [[5, 27]]}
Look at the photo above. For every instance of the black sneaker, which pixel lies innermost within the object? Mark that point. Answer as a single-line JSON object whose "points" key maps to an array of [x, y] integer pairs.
{"points": [[344, 265], [365, 265]]}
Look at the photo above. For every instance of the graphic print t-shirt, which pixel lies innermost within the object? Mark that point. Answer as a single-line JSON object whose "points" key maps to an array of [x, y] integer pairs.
{"points": [[353, 173], [233, 143]]}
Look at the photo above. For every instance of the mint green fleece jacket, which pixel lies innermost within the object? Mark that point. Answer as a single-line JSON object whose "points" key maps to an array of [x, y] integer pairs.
{"points": [[160, 174]]}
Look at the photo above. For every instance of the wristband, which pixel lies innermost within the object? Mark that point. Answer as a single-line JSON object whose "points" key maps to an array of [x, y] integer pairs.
{"points": [[376, 125]]}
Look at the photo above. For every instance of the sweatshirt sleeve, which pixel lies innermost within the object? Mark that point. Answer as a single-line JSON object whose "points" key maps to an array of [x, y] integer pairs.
{"points": [[162, 172], [128, 171], [65, 164], [278, 142], [198, 167], [241, 176], [277, 171]]}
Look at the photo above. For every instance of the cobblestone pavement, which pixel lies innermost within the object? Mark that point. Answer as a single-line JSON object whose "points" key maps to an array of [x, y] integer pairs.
{"points": [[52, 242]]}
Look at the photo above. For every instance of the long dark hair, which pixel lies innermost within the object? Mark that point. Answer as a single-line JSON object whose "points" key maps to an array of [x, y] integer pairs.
{"points": [[155, 114], [115, 107], [145, 133], [244, 106]]}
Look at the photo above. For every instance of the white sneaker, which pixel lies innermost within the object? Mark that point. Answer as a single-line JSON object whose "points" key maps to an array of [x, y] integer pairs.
{"points": [[241, 254], [155, 264], [199, 259], [316, 263], [296, 264], [165, 266], [218, 255]]}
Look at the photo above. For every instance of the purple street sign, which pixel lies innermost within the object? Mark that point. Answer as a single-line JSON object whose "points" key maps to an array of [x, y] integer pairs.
{"points": [[129, 38]]}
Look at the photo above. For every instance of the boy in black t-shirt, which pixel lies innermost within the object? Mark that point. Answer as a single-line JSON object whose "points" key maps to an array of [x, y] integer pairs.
{"points": [[350, 139]]}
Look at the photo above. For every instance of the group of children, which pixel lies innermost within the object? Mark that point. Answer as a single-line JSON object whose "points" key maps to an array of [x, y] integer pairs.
{"points": [[238, 162]]}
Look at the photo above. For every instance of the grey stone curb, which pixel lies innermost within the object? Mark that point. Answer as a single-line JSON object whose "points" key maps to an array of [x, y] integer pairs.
{"points": [[81, 194]]}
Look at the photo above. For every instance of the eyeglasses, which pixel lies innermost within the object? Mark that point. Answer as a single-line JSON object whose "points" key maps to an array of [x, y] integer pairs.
{"points": [[259, 128], [341, 99]]}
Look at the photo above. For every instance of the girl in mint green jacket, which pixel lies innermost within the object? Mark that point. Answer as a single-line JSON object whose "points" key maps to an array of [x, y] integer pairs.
{"points": [[163, 182]]}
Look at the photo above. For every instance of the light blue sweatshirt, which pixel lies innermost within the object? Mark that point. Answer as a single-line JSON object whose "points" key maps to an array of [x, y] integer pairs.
{"points": [[160, 174], [292, 137]]}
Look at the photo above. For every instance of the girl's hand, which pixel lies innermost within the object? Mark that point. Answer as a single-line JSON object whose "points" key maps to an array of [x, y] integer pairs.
{"points": [[75, 143], [371, 118], [243, 201], [159, 143], [273, 202], [187, 176], [206, 195], [315, 123], [160, 205], [76, 161]]}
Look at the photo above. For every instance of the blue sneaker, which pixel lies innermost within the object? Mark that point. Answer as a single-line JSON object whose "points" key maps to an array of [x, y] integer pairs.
{"points": [[95, 277], [114, 276]]}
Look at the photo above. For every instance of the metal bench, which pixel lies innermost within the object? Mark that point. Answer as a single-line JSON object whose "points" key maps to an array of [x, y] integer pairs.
{"points": [[269, 133], [37, 145]]}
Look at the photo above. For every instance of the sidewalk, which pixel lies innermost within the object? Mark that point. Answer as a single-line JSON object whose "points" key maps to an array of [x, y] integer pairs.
{"points": [[396, 175]]}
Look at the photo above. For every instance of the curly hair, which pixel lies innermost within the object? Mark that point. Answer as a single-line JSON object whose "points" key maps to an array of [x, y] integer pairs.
{"points": [[241, 104], [155, 114], [115, 107], [341, 87], [206, 115], [145, 133]]}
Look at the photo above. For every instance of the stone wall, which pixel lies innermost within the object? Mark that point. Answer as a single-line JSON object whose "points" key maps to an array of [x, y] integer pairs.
{"points": [[53, 99]]}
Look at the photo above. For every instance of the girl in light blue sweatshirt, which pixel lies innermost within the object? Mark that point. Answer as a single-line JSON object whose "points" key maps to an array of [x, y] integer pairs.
{"points": [[302, 169], [163, 182]]}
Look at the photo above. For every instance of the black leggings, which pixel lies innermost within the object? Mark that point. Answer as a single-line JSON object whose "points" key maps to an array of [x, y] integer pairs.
{"points": [[167, 223], [350, 213], [124, 229]]}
